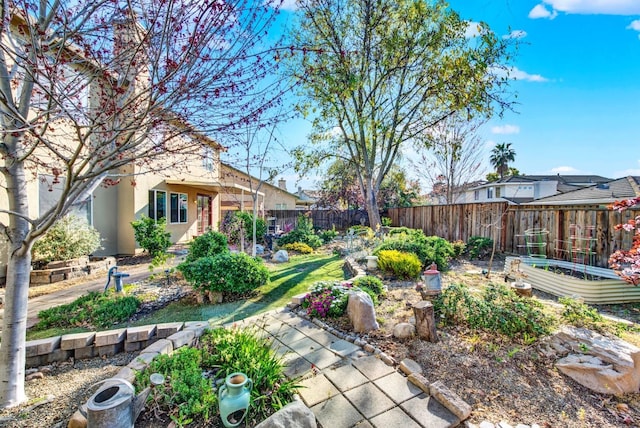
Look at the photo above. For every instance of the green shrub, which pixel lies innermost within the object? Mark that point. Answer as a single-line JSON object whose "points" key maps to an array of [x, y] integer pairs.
{"points": [[152, 235], [69, 238], [190, 372], [302, 233], [458, 248], [236, 221], [371, 282], [226, 272], [578, 313], [429, 249], [207, 245], [386, 221], [479, 247], [497, 309], [298, 247], [91, 310], [402, 265], [327, 235]]}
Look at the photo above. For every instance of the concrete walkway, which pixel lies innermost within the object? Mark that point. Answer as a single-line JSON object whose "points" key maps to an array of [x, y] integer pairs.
{"points": [[343, 385]]}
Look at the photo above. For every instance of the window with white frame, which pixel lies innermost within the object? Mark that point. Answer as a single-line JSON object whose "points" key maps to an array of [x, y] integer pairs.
{"points": [[178, 203], [476, 195], [281, 206], [157, 204], [498, 192], [208, 160], [489, 192]]}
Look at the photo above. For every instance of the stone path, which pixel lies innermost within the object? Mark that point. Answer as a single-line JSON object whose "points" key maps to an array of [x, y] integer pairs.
{"points": [[343, 385]]}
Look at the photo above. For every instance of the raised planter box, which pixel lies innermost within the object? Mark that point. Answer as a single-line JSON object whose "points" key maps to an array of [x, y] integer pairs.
{"points": [[76, 268], [602, 291]]}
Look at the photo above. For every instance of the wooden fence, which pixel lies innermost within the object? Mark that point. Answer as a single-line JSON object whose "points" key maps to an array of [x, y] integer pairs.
{"points": [[584, 233], [322, 219]]}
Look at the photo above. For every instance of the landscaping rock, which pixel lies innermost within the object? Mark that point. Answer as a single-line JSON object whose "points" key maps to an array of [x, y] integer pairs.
{"points": [[362, 312], [281, 256], [259, 249], [294, 414], [607, 366], [404, 330]]}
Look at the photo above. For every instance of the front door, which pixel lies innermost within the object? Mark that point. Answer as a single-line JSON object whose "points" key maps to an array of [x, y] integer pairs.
{"points": [[204, 213]]}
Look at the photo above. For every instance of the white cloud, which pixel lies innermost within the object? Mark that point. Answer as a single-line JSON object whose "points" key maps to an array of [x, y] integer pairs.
{"points": [[515, 34], [540, 11], [473, 30], [628, 171], [564, 170], [505, 129], [289, 5], [635, 25], [587, 7], [516, 74]]}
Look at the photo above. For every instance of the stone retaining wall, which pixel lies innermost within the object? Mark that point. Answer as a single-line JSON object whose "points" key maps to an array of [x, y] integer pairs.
{"points": [[76, 268], [149, 339]]}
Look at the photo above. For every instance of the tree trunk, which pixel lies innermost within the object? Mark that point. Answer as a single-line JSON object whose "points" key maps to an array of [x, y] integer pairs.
{"points": [[425, 321], [371, 202]]}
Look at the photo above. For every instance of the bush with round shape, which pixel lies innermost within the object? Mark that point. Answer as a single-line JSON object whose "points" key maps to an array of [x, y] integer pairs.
{"points": [[371, 282], [303, 232], [402, 265], [298, 247], [69, 238], [152, 235], [227, 272], [207, 245]]}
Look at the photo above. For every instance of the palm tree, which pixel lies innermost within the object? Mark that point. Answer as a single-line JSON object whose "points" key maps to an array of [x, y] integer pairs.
{"points": [[501, 155]]}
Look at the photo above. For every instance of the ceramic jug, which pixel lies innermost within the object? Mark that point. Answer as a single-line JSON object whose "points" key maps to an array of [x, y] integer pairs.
{"points": [[234, 398]]}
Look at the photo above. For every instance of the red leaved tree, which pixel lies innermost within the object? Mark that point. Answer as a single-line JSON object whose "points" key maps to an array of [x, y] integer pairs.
{"points": [[626, 263], [118, 88]]}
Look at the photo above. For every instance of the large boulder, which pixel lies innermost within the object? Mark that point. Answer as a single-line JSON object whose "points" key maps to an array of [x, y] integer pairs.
{"points": [[281, 256], [604, 365], [361, 312], [294, 414]]}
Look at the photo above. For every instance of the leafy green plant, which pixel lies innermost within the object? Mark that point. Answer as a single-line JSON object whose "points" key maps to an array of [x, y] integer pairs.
{"points": [[496, 309], [429, 249], [303, 232], [386, 221], [298, 247], [152, 235], [71, 237], [327, 235], [371, 282], [226, 272], [402, 265], [458, 248], [478, 247], [91, 310], [237, 221], [207, 245]]}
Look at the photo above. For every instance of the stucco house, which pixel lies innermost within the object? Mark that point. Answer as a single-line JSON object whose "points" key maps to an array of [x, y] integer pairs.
{"points": [[526, 188], [596, 194]]}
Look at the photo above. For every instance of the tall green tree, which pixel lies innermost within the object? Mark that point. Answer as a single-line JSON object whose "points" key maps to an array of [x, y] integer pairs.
{"points": [[380, 72], [501, 155]]}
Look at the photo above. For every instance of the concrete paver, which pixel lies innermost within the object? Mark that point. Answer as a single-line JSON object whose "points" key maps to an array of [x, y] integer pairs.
{"points": [[345, 377], [322, 358], [429, 412], [369, 400], [342, 347], [304, 346], [393, 418], [337, 412], [372, 367], [397, 387], [316, 389]]}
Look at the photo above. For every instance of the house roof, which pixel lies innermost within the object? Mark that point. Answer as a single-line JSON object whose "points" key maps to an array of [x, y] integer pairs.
{"points": [[265, 183], [566, 183], [602, 193]]}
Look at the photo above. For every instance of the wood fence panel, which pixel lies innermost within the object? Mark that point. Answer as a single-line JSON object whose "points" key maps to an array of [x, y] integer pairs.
{"points": [[569, 227]]}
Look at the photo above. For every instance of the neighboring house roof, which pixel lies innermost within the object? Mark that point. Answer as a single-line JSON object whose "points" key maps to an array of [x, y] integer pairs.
{"points": [[602, 193], [264, 183], [565, 182]]}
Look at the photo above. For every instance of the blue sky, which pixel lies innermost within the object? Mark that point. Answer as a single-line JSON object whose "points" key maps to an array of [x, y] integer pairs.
{"points": [[577, 75]]}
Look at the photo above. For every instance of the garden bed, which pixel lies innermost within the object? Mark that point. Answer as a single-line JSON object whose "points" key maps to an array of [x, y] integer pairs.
{"points": [[608, 289]]}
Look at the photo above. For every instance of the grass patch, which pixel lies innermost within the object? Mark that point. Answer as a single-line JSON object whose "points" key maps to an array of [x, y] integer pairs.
{"points": [[286, 280]]}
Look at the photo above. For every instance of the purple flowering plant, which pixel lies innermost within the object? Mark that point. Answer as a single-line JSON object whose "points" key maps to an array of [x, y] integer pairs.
{"points": [[327, 299]]}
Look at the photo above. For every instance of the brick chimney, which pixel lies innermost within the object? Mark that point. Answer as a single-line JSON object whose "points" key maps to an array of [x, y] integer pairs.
{"points": [[282, 183]]}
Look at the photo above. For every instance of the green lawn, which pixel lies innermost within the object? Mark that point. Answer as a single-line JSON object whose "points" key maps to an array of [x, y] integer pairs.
{"points": [[286, 280]]}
